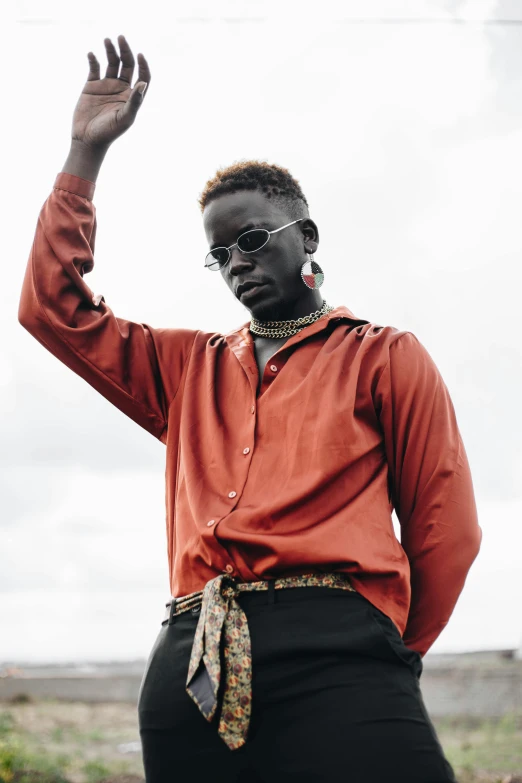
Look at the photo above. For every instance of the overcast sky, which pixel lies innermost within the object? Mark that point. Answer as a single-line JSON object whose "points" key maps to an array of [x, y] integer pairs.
{"points": [[406, 138]]}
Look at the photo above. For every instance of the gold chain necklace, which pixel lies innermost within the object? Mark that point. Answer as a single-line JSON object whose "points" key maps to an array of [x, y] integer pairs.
{"points": [[277, 329]]}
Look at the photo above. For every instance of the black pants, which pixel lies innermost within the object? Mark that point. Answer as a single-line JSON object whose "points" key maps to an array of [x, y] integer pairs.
{"points": [[335, 698]]}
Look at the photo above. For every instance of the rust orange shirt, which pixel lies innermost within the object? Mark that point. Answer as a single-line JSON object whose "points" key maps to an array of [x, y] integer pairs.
{"points": [[352, 420]]}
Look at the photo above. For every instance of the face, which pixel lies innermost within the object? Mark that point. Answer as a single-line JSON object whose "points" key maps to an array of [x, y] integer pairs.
{"points": [[276, 267]]}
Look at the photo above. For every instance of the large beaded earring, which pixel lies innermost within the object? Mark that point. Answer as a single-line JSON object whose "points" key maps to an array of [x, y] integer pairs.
{"points": [[312, 274]]}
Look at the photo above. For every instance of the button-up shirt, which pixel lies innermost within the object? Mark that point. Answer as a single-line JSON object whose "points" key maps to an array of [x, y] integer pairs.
{"points": [[352, 420]]}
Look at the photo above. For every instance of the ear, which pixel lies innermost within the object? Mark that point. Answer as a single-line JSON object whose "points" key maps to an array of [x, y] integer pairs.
{"points": [[310, 235]]}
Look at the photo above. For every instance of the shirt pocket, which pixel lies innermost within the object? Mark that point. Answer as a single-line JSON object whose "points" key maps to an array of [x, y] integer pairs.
{"points": [[389, 633]]}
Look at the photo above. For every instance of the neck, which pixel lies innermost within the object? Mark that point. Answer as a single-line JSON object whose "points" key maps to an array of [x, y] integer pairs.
{"points": [[286, 311]]}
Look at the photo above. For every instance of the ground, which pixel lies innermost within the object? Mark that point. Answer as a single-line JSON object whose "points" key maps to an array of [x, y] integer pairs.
{"points": [[90, 743]]}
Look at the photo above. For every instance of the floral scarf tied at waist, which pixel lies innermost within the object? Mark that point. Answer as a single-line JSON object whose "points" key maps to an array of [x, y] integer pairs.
{"points": [[223, 619]]}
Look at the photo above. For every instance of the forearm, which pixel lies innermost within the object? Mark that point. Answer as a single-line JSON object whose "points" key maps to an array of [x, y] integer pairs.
{"points": [[83, 161], [442, 540], [437, 581]]}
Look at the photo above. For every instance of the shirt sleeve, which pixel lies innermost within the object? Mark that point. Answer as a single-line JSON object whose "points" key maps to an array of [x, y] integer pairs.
{"points": [[431, 486], [137, 368]]}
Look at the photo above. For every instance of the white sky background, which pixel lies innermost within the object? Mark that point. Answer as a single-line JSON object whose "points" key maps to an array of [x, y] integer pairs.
{"points": [[407, 141]]}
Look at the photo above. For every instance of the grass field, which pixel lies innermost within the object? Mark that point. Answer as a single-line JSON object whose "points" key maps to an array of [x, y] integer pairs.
{"points": [[91, 743]]}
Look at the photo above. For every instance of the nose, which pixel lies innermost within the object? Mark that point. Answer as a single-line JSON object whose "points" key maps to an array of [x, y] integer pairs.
{"points": [[238, 262]]}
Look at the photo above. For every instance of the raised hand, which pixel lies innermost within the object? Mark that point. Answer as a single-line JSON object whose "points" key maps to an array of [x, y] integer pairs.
{"points": [[108, 107]]}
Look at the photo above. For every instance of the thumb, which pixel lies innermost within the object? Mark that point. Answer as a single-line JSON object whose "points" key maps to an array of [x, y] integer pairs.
{"points": [[134, 102]]}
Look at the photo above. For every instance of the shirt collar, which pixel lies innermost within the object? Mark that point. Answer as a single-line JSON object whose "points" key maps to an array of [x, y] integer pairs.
{"points": [[242, 336]]}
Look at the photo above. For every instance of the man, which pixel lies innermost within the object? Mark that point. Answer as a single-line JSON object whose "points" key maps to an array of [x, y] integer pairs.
{"points": [[292, 648]]}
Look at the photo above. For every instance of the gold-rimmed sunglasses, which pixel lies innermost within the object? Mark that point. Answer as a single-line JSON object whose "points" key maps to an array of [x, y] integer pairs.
{"points": [[248, 242]]}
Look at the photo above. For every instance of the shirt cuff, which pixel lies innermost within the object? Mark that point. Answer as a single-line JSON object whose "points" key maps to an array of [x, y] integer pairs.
{"points": [[77, 185]]}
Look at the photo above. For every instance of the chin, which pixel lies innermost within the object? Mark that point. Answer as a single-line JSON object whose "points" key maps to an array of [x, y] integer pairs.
{"points": [[266, 311], [260, 308]]}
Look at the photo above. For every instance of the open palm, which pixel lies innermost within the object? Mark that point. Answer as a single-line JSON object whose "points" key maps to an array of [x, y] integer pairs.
{"points": [[107, 107]]}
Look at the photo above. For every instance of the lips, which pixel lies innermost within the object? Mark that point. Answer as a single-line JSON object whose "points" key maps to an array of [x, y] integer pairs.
{"points": [[247, 285]]}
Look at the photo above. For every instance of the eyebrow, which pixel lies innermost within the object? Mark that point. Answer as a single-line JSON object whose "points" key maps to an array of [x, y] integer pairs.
{"points": [[247, 227]]}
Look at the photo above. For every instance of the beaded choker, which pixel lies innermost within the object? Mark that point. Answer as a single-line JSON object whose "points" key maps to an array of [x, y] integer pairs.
{"points": [[278, 329]]}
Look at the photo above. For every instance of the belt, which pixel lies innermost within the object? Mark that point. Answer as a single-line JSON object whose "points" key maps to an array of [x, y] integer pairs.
{"points": [[222, 618]]}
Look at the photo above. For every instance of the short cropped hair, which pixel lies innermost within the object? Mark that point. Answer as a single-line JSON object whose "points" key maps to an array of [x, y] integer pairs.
{"points": [[274, 181]]}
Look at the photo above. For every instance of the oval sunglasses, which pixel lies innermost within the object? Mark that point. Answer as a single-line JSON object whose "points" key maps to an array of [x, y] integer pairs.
{"points": [[248, 242]]}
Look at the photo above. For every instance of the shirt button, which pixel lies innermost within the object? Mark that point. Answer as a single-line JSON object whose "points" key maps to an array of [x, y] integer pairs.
{"points": [[211, 522], [273, 368], [252, 409], [232, 494], [245, 451], [229, 568]]}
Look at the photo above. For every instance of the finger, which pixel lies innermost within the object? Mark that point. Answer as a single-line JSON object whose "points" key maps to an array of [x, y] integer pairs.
{"points": [[127, 59], [143, 69], [129, 111], [94, 67], [113, 59]]}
